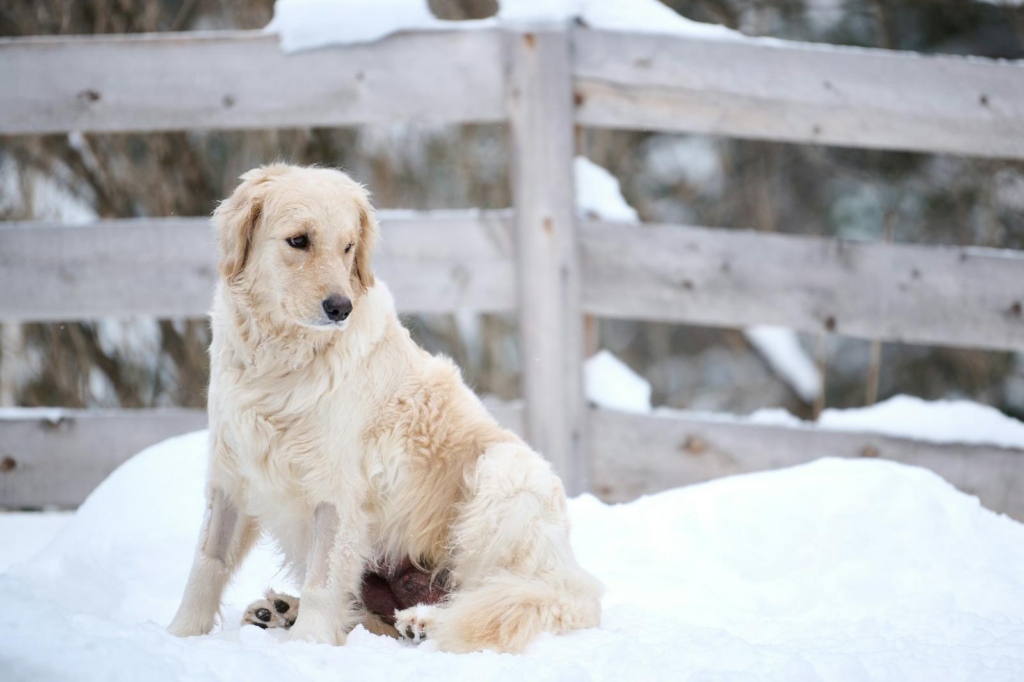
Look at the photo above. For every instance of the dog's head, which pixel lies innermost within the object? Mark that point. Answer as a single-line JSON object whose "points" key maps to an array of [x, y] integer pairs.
{"points": [[298, 242]]}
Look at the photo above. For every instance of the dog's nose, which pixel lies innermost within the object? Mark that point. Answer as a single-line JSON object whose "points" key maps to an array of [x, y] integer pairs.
{"points": [[337, 307]]}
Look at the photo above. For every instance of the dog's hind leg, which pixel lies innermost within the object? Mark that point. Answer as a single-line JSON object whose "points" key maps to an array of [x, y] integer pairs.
{"points": [[225, 540], [514, 572]]}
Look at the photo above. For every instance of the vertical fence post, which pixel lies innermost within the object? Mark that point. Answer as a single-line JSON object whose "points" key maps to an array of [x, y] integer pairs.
{"points": [[540, 105]]}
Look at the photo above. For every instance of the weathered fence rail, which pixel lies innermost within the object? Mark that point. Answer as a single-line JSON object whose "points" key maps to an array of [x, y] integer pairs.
{"points": [[538, 258], [938, 295], [629, 451], [243, 80], [442, 262], [798, 92], [433, 262]]}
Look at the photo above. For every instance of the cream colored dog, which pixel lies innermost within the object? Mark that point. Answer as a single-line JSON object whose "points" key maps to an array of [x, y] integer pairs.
{"points": [[351, 446]]}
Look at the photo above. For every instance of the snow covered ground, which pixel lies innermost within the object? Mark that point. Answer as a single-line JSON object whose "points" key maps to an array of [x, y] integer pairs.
{"points": [[836, 570], [24, 534]]}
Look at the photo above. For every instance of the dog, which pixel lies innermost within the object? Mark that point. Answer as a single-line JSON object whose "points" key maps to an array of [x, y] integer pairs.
{"points": [[334, 433]]}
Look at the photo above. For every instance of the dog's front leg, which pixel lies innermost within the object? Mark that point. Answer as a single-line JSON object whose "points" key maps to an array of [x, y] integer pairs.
{"points": [[333, 574], [226, 538]]}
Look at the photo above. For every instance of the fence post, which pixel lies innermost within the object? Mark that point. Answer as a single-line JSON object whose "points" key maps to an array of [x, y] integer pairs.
{"points": [[540, 106]]}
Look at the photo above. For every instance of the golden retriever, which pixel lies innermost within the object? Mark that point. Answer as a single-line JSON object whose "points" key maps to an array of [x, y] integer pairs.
{"points": [[352, 447]]}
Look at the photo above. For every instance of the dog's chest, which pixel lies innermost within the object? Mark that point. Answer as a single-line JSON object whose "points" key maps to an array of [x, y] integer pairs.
{"points": [[289, 444]]}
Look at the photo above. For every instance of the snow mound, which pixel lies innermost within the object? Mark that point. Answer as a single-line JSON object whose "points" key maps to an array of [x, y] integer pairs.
{"points": [[611, 383], [836, 570], [308, 24], [24, 534]]}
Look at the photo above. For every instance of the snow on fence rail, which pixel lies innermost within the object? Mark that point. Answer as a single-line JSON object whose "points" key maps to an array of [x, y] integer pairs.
{"points": [[542, 82]]}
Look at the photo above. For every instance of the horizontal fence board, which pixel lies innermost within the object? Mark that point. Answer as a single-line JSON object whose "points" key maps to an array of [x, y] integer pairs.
{"points": [[637, 454], [55, 457], [955, 296], [800, 93], [243, 80], [761, 89], [166, 267]]}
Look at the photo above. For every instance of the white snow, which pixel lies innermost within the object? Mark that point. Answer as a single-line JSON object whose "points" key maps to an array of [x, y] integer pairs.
{"points": [[942, 421], [51, 414], [308, 24], [836, 570], [24, 534], [611, 383], [781, 349], [599, 195]]}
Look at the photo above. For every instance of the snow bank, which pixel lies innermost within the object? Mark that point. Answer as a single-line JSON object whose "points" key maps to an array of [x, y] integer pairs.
{"points": [[24, 534], [836, 570], [599, 195], [307, 24]]}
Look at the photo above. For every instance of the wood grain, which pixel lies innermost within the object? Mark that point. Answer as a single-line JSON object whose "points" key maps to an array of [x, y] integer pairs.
{"points": [[799, 92], [243, 80], [550, 319], [940, 295], [166, 267]]}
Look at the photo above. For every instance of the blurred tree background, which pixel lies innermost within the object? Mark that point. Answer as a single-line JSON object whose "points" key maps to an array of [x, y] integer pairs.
{"points": [[690, 179]]}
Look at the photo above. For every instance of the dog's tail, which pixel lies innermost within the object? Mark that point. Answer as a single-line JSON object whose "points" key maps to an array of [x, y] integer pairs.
{"points": [[507, 612]]}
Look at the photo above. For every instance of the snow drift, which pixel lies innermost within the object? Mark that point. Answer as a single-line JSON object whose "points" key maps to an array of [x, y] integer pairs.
{"points": [[837, 570]]}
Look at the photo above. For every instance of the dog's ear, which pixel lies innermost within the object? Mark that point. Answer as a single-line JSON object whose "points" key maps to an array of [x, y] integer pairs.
{"points": [[236, 218], [369, 231]]}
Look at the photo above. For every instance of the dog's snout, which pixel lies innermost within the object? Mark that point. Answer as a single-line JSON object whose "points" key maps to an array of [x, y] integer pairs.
{"points": [[337, 307]]}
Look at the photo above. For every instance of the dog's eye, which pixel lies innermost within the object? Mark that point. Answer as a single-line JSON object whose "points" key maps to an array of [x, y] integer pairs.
{"points": [[349, 247], [300, 242]]}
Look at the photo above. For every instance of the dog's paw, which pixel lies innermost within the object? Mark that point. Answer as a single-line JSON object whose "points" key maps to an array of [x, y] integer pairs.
{"points": [[276, 610], [190, 625], [414, 623]]}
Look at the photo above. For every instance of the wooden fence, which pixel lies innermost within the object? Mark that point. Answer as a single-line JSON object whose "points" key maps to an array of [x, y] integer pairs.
{"points": [[543, 83]]}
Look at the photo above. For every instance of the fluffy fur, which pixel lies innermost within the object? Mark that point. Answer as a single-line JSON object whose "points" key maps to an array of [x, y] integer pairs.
{"points": [[351, 446]]}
